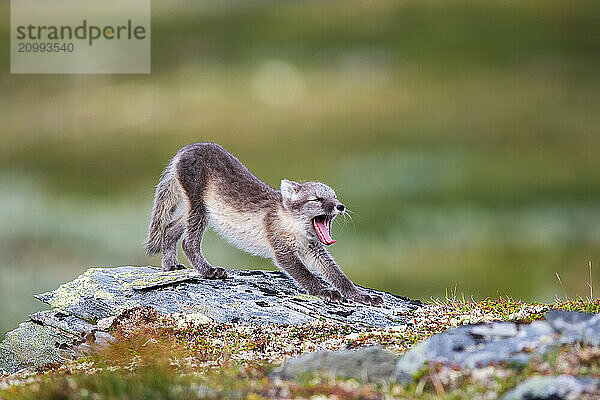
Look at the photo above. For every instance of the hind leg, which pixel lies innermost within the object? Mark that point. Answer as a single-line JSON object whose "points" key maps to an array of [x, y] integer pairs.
{"points": [[171, 236], [192, 245]]}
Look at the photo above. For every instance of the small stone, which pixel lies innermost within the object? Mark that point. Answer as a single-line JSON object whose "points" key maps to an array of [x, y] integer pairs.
{"points": [[562, 387], [194, 319], [103, 339], [489, 376], [106, 323], [372, 364]]}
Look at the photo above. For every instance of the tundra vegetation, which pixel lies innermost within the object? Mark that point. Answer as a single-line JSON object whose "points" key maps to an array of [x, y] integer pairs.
{"points": [[160, 357]]}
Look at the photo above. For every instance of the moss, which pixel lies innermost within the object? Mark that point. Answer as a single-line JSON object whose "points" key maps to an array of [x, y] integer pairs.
{"points": [[159, 278], [305, 297], [69, 293], [86, 285]]}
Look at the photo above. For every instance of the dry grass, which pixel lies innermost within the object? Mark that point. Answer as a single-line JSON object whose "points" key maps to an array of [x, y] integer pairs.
{"points": [[173, 359]]}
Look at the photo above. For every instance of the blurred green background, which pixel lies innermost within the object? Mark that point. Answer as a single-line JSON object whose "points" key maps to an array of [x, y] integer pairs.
{"points": [[463, 135]]}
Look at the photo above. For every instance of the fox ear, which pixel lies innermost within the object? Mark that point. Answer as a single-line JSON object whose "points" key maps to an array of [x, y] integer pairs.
{"points": [[289, 189]]}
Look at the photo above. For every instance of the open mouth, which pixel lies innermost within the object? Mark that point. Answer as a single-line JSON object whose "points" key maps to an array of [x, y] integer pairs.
{"points": [[322, 225]]}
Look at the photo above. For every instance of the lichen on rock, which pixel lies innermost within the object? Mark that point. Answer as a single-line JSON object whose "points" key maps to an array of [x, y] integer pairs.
{"points": [[245, 297]]}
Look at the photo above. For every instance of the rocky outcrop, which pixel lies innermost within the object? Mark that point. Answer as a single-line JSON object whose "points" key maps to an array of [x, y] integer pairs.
{"points": [[84, 309], [473, 346], [80, 308], [469, 347]]}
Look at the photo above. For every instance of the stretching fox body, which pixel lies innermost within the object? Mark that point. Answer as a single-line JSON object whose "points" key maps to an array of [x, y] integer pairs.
{"points": [[204, 185]]}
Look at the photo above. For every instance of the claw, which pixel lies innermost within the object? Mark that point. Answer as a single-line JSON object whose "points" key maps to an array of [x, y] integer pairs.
{"points": [[335, 296], [215, 273], [376, 300], [369, 299], [331, 295], [174, 268]]}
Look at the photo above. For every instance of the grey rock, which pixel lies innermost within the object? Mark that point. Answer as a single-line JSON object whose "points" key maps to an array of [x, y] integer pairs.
{"points": [[468, 346], [37, 345], [10, 362], [94, 340], [575, 326], [250, 297], [562, 387], [253, 297], [371, 364], [106, 323], [65, 322], [103, 338], [473, 346], [50, 336]]}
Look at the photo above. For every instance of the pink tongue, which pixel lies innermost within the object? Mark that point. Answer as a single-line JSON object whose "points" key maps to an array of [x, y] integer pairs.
{"points": [[323, 230]]}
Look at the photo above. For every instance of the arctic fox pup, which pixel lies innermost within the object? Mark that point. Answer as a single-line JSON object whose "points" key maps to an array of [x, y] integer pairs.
{"points": [[204, 185]]}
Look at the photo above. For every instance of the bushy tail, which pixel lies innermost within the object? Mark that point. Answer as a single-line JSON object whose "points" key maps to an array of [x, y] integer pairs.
{"points": [[166, 201]]}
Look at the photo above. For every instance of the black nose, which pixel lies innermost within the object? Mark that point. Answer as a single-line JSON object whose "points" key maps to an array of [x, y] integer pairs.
{"points": [[341, 207]]}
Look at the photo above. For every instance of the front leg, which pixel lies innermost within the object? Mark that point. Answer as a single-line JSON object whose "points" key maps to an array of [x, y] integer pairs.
{"points": [[289, 261], [318, 256]]}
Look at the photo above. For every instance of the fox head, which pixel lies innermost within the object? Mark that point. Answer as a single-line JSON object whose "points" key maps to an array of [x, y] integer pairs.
{"points": [[315, 205]]}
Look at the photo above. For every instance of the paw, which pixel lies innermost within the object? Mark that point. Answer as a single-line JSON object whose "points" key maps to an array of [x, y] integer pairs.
{"points": [[174, 268], [368, 299], [329, 295], [214, 273]]}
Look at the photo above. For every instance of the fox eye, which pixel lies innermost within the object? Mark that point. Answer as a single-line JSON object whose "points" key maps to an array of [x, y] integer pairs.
{"points": [[316, 199]]}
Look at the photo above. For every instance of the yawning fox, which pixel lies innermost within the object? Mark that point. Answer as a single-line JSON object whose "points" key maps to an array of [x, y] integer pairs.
{"points": [[204, 185]]}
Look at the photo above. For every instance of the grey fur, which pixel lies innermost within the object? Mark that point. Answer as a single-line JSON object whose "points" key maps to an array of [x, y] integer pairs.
{"points": [[204, 185], [163, 210]]}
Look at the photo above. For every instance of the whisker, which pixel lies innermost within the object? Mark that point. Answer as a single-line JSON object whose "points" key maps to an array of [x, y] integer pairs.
{"points": [[345, 220], [351, 219], [352, 212], [338, 223]]}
